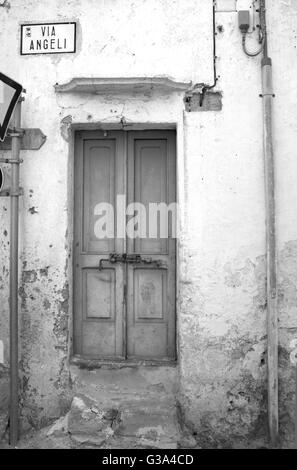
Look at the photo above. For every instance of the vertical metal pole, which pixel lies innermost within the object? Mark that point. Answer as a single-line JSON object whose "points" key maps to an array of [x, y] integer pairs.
{"points": [[14, 232], [272, 314], [296, 406]]}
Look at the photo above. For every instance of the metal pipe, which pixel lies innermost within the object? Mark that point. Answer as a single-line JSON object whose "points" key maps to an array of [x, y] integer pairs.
{"points": [[296, 406], [13, 294], [272, 314], [263, 27]]}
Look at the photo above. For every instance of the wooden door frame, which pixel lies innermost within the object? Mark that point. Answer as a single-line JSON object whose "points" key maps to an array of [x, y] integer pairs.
{"points": [[178, 127]]}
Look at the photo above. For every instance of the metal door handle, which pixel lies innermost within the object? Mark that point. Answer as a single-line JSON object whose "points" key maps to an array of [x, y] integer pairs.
{"points": [[129, 259], [113, 258]]}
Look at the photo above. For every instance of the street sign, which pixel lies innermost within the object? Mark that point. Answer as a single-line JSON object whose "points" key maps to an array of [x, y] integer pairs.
{"points": [[10, 92], [31, 139], [48, 38]]}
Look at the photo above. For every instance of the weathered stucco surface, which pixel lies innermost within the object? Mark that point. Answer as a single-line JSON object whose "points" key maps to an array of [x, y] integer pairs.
{"points": [[222, 296], [221, 272]]}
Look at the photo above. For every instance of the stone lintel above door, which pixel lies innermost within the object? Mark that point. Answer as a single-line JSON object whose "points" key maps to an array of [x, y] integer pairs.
{"points": [[122, 85]]}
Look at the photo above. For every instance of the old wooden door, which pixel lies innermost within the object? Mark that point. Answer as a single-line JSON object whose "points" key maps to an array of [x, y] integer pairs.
{"points": [[124, 286]]}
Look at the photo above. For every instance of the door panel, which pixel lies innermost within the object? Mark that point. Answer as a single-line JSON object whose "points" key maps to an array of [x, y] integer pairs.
{"points": [[99, 309], [150, 185], [99, 289], [99, 186], [99, 340], [126, 310], [151, 290], [150, 294]]}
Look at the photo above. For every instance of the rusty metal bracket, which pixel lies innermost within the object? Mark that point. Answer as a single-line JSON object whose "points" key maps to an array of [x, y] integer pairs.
{"points": [[15, 132], [266, 94], [9, 193], [10, 160]]}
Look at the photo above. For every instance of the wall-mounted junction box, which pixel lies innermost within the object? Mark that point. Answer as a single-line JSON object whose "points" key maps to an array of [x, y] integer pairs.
{"points": [[244, 20]]}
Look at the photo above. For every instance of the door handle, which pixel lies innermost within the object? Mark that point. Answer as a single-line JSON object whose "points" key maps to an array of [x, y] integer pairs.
{"points": [[133, 258], [113, 258]]}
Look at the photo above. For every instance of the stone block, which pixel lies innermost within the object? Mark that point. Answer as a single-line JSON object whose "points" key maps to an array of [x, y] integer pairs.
{"points": [[90, 426]]}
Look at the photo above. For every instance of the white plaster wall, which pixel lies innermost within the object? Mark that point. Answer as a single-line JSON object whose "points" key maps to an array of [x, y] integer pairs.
{"points": [[223, 298], [221, 302], [115, 38]]}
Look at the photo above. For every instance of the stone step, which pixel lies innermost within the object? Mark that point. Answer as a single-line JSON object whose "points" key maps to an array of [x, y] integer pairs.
{"points": [[143, 401]]}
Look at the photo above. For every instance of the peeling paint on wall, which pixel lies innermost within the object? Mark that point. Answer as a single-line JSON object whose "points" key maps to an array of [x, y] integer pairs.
{"points": [[5, 4]]}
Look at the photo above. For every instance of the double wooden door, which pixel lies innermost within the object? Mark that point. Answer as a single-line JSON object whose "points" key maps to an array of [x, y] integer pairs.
{"points": [[124, 286]]}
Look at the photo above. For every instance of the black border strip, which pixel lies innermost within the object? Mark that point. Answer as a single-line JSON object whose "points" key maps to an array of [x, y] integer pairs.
{"points": [[18, 90], [46, 24]]}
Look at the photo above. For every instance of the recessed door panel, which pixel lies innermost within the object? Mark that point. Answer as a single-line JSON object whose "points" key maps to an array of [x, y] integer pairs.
{"points": [[98, 186], [99, 294], [150, 295], [149, 342], [98, 340], [150, 189]]}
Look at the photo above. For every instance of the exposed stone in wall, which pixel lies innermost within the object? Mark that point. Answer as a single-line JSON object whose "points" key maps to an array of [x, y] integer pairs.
{"points": [[287, 304], [5, 4], [199, 102], [52, 351]]}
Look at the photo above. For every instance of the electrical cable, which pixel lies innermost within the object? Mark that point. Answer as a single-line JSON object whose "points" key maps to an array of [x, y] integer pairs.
{"points": [[203, 86], [262, 34], [210, 87], [249, 53]]}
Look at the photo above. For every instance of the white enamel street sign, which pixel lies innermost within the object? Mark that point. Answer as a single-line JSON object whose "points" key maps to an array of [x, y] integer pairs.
{"points": [[9, 95], [48, 38]]}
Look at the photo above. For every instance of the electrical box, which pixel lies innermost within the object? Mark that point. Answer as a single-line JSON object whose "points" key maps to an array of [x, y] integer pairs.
{"points": [[244, 20]]}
